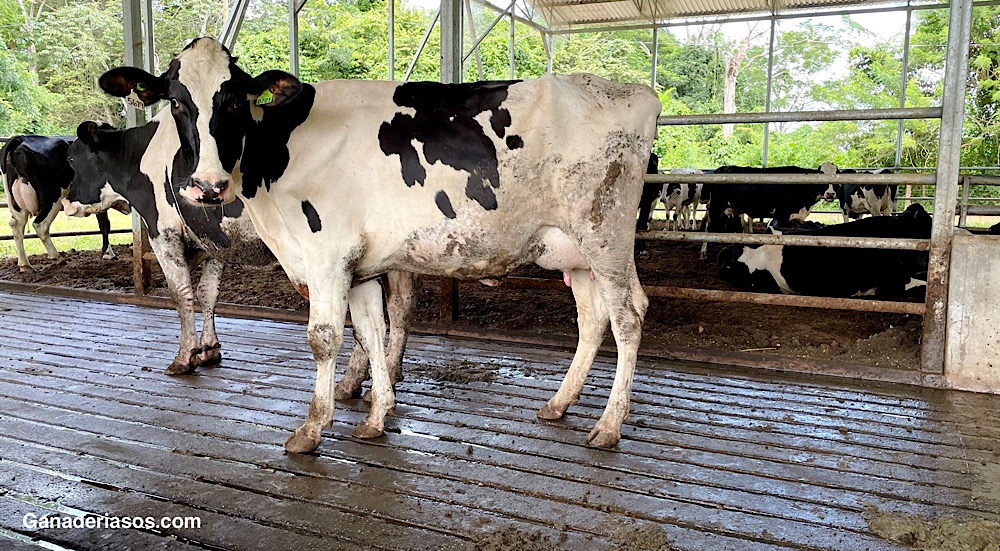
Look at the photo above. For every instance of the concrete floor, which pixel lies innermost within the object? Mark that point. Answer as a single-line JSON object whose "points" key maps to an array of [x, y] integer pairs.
{"points": [[719, 459]]}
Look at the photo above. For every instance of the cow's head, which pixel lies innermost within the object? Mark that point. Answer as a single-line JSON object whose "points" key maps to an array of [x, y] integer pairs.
{"points": [[90, 192], [208, 97]]}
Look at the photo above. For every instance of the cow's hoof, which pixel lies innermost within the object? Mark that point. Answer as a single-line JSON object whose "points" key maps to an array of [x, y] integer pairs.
{"points": [[366, 431], [210, 356], [301, 442], [341, 393], [178, 368], [550, 413], [603, 437]]}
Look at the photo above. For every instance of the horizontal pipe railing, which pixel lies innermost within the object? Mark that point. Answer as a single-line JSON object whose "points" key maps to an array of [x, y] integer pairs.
{"points": [[64, 234], [797, 116], [796, 240], [856, 304], [770, 178]]}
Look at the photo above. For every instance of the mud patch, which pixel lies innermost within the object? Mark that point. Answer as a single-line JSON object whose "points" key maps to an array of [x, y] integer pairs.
{"points": [[514, 540], [940, 534], [645, 537], [460, 371]]}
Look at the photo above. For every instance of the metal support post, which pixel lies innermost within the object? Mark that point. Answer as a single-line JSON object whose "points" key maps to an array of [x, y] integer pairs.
{"points": [[475, 40], [451, 41], [512, 28], [138, 53], [767, 97], [902, 92], [932, 349], [392, 40], [293, 37], [652, 76]]}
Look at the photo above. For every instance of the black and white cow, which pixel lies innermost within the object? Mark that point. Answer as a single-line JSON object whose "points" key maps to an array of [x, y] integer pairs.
{"points": [[682, 198], [782, 202], [142, 166], [650, 193], [346, 180], [835, 271], [874, 199], [35, 177]]}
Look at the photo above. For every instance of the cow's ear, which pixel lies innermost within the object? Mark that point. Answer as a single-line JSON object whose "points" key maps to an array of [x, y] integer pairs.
{"points": [[125, 82], [273, 88], [89, 133]]}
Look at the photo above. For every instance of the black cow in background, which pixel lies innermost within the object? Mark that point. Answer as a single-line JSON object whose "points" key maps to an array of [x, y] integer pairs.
{"points": [[836, 271], [36, 176], [650, 193], [859, 199], [782, 202]]}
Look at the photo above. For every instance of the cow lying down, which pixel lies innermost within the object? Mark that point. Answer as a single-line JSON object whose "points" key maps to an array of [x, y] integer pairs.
{"points": [[836, 271], [36, 176], [134, 164]]}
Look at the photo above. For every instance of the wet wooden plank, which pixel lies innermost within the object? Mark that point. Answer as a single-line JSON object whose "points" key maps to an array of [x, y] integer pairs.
{"points": [[720, 460]]}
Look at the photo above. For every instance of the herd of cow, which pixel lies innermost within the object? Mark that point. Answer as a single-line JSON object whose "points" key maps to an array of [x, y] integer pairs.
{"points": [[355, 184]]}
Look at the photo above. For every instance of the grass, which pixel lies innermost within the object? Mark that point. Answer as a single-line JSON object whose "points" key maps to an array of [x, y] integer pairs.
{"points": [[65, 223]]}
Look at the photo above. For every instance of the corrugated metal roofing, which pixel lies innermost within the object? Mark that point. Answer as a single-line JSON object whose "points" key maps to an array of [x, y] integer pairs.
{"points": [[570, 13]]}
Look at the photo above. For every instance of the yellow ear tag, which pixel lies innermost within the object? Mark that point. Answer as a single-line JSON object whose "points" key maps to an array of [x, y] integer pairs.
{"points": [[264, 98]]}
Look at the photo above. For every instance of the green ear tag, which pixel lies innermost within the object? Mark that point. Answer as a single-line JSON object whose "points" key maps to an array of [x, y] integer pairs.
{"points": [[265, 97], [140, 86]]}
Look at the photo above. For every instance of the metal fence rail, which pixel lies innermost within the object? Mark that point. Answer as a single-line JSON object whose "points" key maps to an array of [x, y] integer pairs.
{"points": [[803, 116]]}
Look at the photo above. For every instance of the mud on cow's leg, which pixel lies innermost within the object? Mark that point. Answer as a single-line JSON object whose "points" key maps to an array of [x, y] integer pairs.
{"points": [[369, 329], [170, 254], [627, 306], [328, 290], [208, 297], [592, 320], [401, 296]]}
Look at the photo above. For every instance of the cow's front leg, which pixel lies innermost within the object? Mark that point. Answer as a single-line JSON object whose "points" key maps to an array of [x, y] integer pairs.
{"points": [[369, 330], [328, 290], [208, 297], [104, 225], [170, 254]]}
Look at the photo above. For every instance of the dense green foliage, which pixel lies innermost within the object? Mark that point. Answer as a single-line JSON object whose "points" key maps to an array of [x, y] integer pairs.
{"points": [[54, 50]]}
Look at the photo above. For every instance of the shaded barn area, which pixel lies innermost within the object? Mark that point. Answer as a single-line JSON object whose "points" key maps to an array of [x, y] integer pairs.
{"points": [[716, 459]]}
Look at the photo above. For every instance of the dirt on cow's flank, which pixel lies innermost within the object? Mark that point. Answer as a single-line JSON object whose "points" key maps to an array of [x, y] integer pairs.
{"points": [[885, 340], [945, 533]]}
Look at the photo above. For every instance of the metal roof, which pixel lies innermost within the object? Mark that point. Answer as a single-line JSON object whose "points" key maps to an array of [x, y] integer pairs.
{"points": [[561, 14]]}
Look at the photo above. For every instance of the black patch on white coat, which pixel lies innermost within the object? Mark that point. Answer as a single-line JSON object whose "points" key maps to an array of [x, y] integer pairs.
{"points": [[41, 162], [445, 124], [265, 155], [315, 224], [514, 142], [444, 204]]}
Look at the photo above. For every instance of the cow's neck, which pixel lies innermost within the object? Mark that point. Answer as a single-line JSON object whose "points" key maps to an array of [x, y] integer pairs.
{"points": [[265, 150]]}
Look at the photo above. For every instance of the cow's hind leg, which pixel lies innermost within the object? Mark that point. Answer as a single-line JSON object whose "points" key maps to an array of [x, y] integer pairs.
{"points": [[208, 297], [592, 321], [626, 303], [104, 224], [328, 291], [369, 330], [18, 220], [43, 225]]}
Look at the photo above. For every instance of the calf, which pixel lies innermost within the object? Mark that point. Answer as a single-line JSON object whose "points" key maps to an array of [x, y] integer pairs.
{"points": [[835, 271], [874, 199], [36, 176], [346, 180], [782, 202], [684, 198], [134, 164]]}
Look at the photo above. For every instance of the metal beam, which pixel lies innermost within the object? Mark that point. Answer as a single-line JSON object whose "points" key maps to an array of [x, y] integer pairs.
{"points": [[475, 39], [518, 18], [489, 29], [946, 190], [652, 72], [511, 49], [792, 116], [757, 178], [796, 240], [451, 41], [293, 36], [392, 40], [904, 76], [423, 43], [231, 29], [767, 97]]}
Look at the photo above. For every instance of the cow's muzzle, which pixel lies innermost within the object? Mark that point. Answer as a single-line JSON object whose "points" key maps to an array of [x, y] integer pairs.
{"points": [[204, 192]]}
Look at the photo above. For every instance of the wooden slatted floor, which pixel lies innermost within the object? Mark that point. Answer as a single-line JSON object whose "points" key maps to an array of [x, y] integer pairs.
{"points": [[721, 460]]}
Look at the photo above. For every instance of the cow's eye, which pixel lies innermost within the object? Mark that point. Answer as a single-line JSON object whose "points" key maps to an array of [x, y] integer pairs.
{"points": [[174, 104]]}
